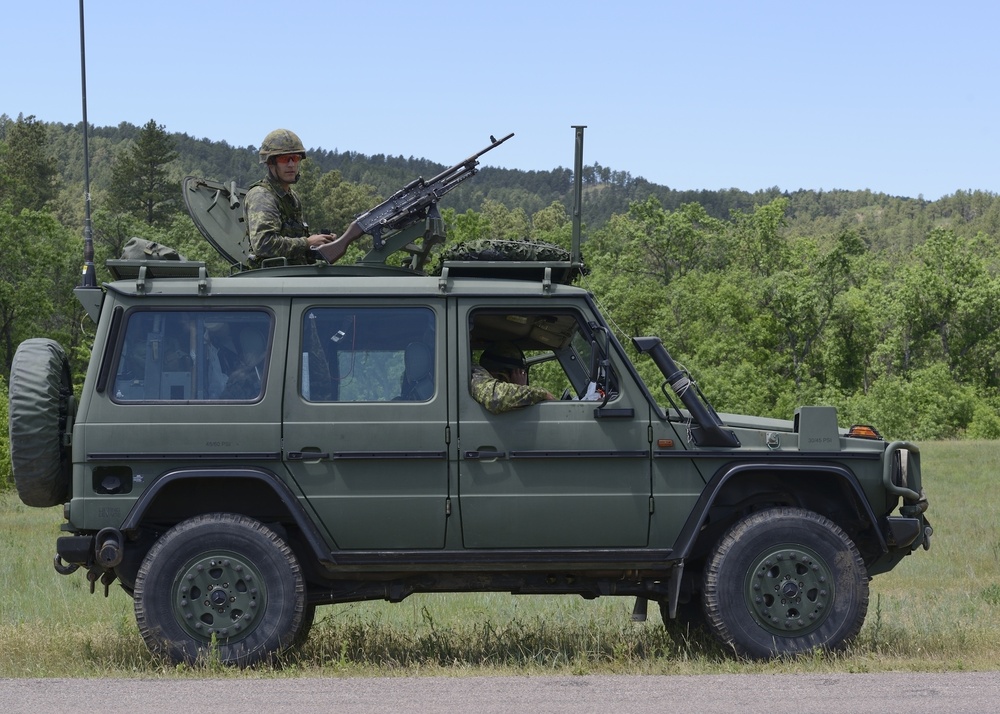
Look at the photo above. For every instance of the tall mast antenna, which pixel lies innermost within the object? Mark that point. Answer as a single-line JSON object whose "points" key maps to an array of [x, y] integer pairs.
{"points": [[575, 254], [88, 279]]}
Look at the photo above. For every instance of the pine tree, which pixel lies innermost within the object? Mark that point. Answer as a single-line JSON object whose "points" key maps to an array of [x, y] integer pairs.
{"points": [[140, 183]]}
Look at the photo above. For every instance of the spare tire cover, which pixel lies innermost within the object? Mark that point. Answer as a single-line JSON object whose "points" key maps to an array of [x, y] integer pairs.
{"points": [[41, 395]]}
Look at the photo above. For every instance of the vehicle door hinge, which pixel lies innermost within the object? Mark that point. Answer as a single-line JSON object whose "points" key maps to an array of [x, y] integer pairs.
{"points": [[447, 506], [447, 435], [649, 434], [651, 505]]}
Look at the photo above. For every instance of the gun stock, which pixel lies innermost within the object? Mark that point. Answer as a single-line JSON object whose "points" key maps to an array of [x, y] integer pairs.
{"points": [[405, 207], [335, 249]]}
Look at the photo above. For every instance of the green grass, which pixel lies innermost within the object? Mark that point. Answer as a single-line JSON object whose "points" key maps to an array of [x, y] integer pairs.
{"points": [[937, 611]]}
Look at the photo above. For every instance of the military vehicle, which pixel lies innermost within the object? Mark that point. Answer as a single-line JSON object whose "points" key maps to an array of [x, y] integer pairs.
{"points": [[249, 447]]}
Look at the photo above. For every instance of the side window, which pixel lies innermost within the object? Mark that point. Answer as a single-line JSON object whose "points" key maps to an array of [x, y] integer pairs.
{"points": [[192, 355], [555, 345], [367, 354]]}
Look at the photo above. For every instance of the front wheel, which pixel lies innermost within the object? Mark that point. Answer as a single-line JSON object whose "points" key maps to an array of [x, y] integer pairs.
{"points": [[785, 581], [219, 585]]}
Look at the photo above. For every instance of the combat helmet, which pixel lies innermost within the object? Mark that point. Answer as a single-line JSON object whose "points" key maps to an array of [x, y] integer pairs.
{"points": [[502, 357], [281, 141]]}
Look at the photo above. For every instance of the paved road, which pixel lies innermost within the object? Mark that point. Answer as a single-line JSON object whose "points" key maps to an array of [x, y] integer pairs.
{"points": [[954, 693]]}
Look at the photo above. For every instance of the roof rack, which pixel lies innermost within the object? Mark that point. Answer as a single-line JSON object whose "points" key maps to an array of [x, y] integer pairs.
{"points": [[559, 271], [137, 269]]}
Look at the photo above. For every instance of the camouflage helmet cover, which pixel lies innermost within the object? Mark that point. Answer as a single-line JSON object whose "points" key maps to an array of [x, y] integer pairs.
{"points": [[278, 142], [502, 357]]}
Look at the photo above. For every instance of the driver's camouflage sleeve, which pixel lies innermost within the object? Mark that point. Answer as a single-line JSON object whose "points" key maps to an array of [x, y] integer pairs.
{"points": [[499, 396], [275, 224]]}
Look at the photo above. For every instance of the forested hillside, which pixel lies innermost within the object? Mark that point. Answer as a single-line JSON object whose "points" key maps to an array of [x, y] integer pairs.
{"points": [[884, 306]]}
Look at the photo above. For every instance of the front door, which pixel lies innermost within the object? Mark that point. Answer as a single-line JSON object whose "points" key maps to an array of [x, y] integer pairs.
{"points": [[562, 474]]}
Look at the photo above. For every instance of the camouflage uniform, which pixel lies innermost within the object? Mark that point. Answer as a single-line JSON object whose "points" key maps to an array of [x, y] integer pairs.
{"points": [[496, 393], [274, 220], [499, 396]]}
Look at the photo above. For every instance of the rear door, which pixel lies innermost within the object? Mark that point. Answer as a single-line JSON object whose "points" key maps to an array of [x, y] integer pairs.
{"points": [[365, 420]]}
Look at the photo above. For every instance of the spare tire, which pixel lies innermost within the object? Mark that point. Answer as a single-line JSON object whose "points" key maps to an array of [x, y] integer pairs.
{"points": [[41, 400]]}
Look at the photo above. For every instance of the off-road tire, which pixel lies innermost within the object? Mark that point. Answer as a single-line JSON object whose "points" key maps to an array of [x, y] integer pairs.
{"points": [[308, 618], [220, 587], [785, 581], [40, 408]]}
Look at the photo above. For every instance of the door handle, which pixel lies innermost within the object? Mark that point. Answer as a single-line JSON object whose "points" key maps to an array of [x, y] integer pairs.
{"points": [[307, 455], [485, 454]]}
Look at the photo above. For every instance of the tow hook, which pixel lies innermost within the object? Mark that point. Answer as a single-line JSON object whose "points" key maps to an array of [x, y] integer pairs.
{"points": [[64, 568]]}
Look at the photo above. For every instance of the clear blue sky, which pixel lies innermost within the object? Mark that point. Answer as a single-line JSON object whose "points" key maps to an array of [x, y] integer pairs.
{"points": [[897, 97]]}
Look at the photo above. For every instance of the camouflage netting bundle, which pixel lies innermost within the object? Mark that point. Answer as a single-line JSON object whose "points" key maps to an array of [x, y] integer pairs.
{"points": [[490, 249]]}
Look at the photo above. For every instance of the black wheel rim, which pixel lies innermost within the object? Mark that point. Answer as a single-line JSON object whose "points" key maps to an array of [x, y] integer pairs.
{"points": [[790, 590], [220, 593]]}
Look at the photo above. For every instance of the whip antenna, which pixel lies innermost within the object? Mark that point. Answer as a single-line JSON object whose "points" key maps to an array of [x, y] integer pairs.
{"points": [[88, 280]]}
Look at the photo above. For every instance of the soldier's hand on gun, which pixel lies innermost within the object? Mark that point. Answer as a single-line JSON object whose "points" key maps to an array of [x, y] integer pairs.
{"points": [[318, 239]]}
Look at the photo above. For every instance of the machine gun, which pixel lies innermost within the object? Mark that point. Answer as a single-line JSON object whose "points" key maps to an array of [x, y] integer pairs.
{"points": [[414, 202]]}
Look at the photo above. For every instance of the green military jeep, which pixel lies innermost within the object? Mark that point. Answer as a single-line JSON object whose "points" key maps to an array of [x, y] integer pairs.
{"points": [[248, 447]]}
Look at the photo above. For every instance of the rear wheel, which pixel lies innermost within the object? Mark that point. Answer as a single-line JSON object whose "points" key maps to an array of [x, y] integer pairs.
{"points": [[785, 581], [220, 585]]}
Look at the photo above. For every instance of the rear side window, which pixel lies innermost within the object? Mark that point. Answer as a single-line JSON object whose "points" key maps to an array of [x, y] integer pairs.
{"points": [[192, 355], [368, 354]]}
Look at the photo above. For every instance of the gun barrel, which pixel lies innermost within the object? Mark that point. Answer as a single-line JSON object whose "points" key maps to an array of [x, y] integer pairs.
{"points": [[470, 162]]}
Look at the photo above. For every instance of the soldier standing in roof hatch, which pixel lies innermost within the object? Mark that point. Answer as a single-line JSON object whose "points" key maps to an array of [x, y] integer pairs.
{"points": [[273, 210]]}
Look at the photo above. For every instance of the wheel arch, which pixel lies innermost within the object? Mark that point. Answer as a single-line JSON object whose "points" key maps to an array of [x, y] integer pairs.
{"points": [[743, 487], [258, 493]]}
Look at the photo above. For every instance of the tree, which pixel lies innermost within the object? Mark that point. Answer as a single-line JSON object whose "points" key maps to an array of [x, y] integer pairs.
{"points": [[29, 294], [954, 310], [505, 223], [662, 245], [140, 182], [758, 235], [552, 224], [330, 202], [465, 227], [28, 175]]}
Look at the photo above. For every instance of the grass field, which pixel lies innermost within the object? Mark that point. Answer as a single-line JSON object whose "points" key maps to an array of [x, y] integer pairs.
{"points": [[938, 611]]}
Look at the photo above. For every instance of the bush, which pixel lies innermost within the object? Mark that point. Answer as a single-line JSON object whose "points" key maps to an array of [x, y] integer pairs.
{"points": [[985, 422], [6, 474], [928, 405]]}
